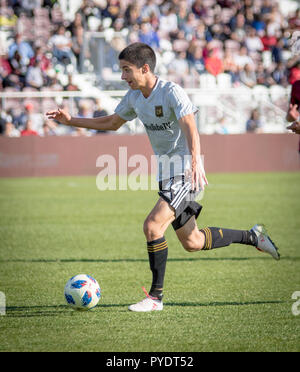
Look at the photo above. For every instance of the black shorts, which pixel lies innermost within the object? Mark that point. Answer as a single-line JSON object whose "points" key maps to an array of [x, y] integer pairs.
{"points": [[179, 195]]}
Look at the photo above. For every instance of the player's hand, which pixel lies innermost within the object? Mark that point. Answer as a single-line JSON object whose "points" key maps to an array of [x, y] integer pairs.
{"points": [[198, 177], [59, 115], [293, 111], [295, 127]]}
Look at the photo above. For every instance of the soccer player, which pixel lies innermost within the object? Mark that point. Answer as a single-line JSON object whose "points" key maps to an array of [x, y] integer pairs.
{"points": [[293, 114], [168, 116]]}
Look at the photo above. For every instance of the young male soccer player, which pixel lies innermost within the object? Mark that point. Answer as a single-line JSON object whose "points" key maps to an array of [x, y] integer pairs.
{"points": [[168, 117]]}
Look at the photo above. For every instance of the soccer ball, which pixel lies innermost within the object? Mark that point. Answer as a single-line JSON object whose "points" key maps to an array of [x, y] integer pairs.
{"points": [[82, 292]]}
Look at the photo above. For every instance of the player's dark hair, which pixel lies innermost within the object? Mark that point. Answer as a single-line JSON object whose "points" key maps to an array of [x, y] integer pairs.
{"points": [[139, 54]]}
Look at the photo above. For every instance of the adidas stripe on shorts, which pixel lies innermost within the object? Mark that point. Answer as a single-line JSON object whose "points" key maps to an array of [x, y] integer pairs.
{"points": [[178, 193]]}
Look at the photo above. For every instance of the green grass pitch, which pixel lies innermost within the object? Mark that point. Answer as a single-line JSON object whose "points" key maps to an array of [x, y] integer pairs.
{"points": [[229, 299]]}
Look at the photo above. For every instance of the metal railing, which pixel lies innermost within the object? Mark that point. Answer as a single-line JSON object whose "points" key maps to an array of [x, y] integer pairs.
{"points": [[235, 104]]}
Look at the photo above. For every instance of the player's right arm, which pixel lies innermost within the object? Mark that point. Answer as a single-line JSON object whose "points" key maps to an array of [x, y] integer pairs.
{"points": [[109, 122]]}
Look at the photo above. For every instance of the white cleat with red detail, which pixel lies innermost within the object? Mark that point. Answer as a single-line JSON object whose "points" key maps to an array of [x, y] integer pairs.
{"points": [[147, 304], [264, 242]]}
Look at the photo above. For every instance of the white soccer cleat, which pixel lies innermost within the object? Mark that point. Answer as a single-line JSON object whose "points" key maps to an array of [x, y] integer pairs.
{"points": [[147, 304], [264, 242]]}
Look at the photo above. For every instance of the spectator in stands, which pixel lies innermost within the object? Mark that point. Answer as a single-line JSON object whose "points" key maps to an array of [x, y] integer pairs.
{"points": [[70, 86], [237, 25], [263, 75], [4, 118], [11, 130], [179, 69], [198, 9], [254, 124], [99, 110], [294, 21], [133, 14], [34, 76], [280, 74], [253, 42], [242, 58], [189, 26], [295, 73], [40, 56], [266, 7], [213, 64], [28, 131], [85, 109], [78, 22], [148, 36], [28, 114], [112, 9], [201, 32], [221, 126], [196, 60], [61, 45], [258, 23], [182, 14], [168, 24], [5, 70], [230, 67], [268, 41], [28, 6], [275, 21], [277, 51], [248, 76], [16, 78], [49, 128], [149, 8], [77, 30], [88, 9], [23, 48], [8, 19], [80, 132]]}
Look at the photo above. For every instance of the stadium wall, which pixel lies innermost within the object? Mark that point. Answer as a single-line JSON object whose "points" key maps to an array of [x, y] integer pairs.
{"points": [[69, 156]]}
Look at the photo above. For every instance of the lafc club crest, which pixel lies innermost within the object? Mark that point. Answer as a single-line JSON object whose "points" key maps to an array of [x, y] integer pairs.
{"points": [[159, 111]]}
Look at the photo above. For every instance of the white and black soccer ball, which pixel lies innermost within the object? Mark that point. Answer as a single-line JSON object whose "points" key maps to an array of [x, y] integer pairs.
{"points": [[82, 292]]}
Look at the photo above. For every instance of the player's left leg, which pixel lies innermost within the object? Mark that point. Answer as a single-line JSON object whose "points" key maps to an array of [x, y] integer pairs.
{"points": [[155, 225]]}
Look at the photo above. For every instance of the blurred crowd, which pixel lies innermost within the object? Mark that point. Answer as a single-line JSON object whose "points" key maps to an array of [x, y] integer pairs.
{"points": [[248, 40]]}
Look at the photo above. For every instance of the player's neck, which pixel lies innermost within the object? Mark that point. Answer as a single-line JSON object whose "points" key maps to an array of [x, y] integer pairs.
{"points": [[149, 85]]}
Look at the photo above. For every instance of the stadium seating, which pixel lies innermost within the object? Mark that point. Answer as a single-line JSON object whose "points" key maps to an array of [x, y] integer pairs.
{"points": [[217, 29]]}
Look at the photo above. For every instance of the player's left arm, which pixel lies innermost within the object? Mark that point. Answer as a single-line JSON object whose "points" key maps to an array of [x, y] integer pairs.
{"points": [[189, 127]]}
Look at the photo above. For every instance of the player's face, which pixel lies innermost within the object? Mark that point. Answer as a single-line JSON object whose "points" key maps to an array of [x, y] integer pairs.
{"points": [[133, 75]]}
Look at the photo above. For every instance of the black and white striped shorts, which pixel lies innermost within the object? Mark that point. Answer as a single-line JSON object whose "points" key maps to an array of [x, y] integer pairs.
{"points": [[178, 193]]}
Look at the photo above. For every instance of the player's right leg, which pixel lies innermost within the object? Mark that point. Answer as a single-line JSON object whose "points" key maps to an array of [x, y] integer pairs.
{"points": [[190, 236], [209, 238]]}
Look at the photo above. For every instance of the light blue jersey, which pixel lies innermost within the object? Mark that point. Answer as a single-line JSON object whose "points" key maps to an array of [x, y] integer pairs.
{"points": [[160, 113]]}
